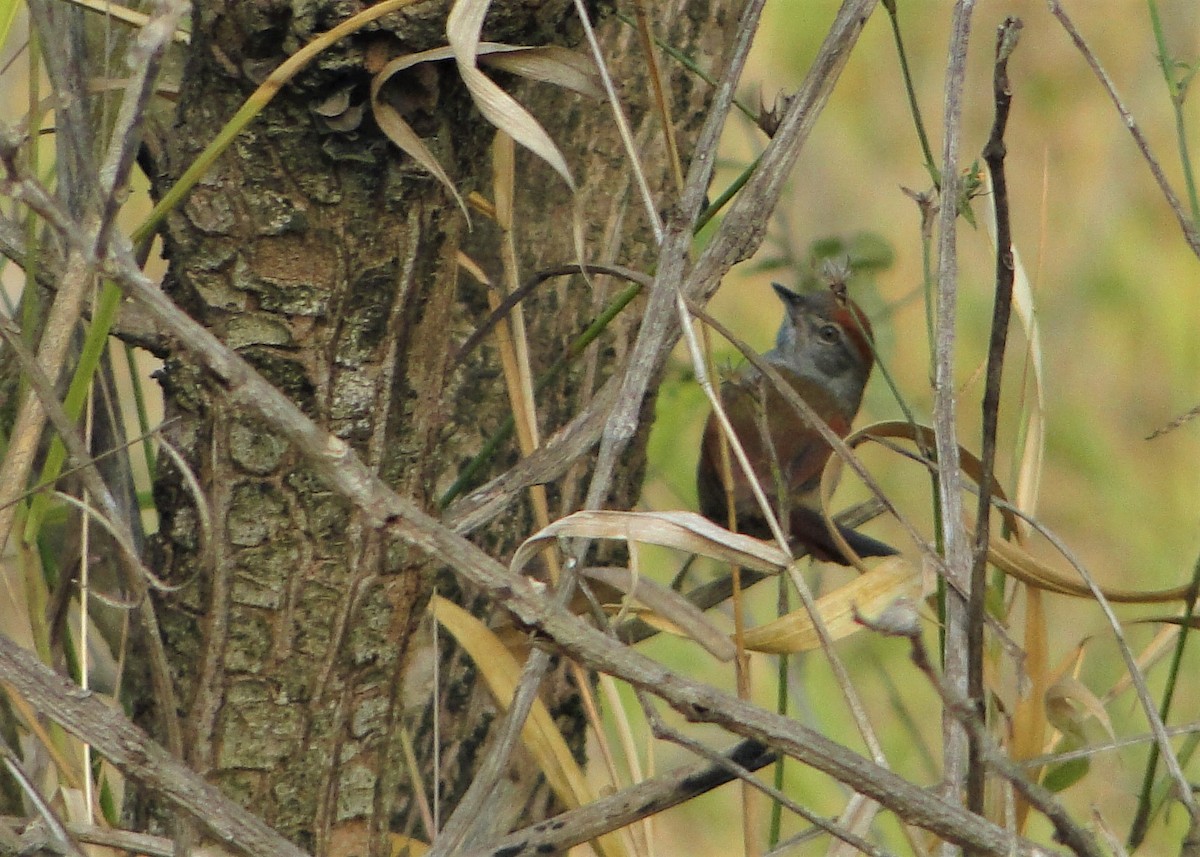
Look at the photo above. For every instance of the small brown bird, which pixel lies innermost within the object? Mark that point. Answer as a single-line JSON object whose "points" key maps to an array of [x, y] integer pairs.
{"points": [[823, 350]]}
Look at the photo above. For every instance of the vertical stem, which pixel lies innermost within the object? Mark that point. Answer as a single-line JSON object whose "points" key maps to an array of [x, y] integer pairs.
{"points": [[944, 406], [993, 154]]}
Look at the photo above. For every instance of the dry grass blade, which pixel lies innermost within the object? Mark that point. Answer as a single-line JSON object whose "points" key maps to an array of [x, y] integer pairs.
{"points": [[540, 736], [685, 531], [1007, 556], [498, 107], [1069, 702], [402, 134], [1030, 725], [548, 64], [682, 616], [867, 595]]}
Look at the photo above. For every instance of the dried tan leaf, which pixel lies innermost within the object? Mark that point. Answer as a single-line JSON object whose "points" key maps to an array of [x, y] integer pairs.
{"points": [[334, 104], [1068, 704], [685, 531], [866, 595], [548, 64], [406, 846], [501, 672], [405, 138], [1029, 724], [670, 610], [463, 26]]}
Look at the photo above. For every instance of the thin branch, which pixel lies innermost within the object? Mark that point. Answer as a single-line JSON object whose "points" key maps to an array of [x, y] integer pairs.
{"points": [[993, 153], [819, 824], [36, 838], [743, 228], [1107, 746], [949, 483]]}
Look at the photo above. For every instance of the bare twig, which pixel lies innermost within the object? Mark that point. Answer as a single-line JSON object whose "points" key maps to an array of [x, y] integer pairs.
{"points": [[819, 824], [949, 483], [993, 153], [37, 836], [1106, 746], [744, 226]]}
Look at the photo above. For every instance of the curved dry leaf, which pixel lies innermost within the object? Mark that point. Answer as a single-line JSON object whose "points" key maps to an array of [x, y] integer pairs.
{"points": [[349, 120], [548, 64], [1014, 561], [406, 846], [1069, 702], [334, 104], [1006, 556], [866, 595], [685, 531], [671, 611], [501, 672], [406, 139], [463, 26], [1192, 622]]}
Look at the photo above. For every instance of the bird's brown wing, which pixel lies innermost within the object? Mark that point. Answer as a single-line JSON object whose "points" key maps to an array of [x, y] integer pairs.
{"points": [[780, 446]]}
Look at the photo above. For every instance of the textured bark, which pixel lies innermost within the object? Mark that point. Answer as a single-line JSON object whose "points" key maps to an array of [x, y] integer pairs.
{"points": [[328, 259]]}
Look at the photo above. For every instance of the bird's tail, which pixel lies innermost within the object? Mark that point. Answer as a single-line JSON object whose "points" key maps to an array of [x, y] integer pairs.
{"points": [[808, 528]]}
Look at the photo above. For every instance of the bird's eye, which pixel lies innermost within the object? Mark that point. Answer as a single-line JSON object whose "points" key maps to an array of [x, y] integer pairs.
{"points": [[829, 333]]}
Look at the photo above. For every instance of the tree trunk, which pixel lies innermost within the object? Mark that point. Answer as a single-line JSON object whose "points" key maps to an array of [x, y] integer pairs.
{"points": [[329, 259]]}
